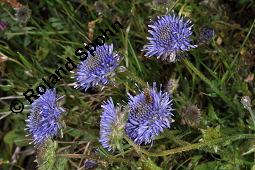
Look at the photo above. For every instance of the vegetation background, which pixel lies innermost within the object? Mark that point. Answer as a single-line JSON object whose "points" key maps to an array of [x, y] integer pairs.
{"points": [[212, 128]]}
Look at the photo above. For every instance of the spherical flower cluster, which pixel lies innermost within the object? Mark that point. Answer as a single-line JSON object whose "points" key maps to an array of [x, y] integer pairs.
{"points": [[205, 35], [170, 36], [111, 126], [150, 113], [89, 164], [44, 119], [190, 115], [22, 14], [97, 69]]}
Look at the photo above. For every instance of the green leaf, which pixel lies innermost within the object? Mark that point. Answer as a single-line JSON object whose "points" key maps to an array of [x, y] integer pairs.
{"points": [[41, 53], [46, 156], [61, 163], [148, 164], [12, 136], [25, 61], [208, 166]]}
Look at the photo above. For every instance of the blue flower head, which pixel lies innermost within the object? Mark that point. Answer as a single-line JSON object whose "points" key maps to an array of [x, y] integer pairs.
{"points": [[97, 69], [206, 34], [44, 119], [150, 113], [170, 36], [90, 164], [111, 126]]}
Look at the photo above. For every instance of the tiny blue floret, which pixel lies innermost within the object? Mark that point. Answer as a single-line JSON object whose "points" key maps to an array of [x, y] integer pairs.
{"points": [[98, 69], [44, 119], [150, 113], [170, 35]]}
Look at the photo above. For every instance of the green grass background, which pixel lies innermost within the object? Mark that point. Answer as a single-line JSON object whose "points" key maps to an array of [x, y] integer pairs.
{"points": [[213, 77]]}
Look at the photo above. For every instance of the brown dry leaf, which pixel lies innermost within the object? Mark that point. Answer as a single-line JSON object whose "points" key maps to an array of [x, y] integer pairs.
{"points": [[12, 3], [249, 58], [249, 78], [2, 64], [243, 51], [2, 68], [3, 58], [219, 40], [91, 26]]}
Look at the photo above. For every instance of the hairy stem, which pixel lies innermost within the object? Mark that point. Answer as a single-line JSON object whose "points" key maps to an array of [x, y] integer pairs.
{"points": [[191, 146]]}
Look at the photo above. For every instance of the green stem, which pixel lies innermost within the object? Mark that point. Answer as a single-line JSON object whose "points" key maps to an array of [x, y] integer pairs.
{"points": [[108, 158], [174, 5], [136, 147], [192, 146], [38, 33]]}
